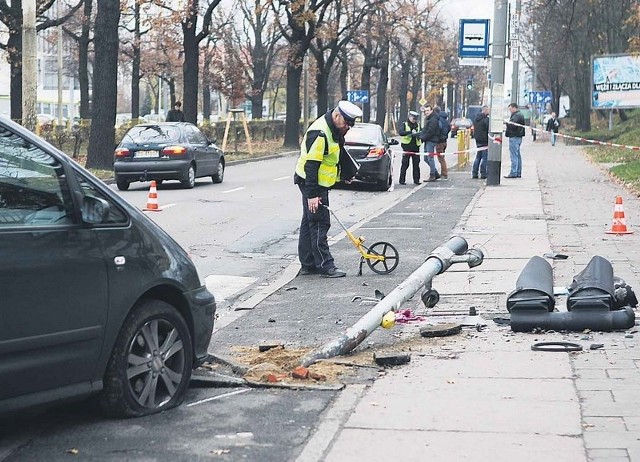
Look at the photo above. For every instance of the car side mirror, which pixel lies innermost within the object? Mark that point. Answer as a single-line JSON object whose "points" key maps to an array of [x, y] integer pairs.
{"points": [[94, 210], [393, 142], [212, 141]]}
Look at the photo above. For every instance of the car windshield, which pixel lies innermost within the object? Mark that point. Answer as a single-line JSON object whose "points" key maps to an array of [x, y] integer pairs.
{"points": [[152, 134], [368, 134]]}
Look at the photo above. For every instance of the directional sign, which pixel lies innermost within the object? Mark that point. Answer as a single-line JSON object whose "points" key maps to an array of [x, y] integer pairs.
{"points": [[540, 97], [358, 96], [474, 38]]}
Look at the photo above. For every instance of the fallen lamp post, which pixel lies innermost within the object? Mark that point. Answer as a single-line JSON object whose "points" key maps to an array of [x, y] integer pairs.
{"points": [[455, 250]]}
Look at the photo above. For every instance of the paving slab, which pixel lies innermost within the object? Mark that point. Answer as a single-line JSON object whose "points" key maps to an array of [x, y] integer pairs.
{"points": [[442, 446]]}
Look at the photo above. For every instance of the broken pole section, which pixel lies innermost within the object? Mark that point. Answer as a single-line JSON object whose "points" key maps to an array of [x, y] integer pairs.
{"points": [[455, 250]]}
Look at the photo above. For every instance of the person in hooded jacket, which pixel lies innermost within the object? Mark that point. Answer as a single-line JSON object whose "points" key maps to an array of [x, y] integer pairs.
{"points": [[410, 144], [430, 135], [481, 135], [441, 147]]}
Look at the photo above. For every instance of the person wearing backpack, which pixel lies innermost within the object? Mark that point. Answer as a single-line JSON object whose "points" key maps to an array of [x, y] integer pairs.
{"points": [[441, 147]]}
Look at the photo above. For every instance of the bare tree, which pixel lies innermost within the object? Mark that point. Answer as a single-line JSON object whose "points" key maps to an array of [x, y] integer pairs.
{"points": [[343, 20], [11, 17], [83, 40], [102, 134], [261, 36]]}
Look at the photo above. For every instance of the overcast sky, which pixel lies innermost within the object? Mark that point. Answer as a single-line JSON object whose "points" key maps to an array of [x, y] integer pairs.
{"points": [[470, 9]]}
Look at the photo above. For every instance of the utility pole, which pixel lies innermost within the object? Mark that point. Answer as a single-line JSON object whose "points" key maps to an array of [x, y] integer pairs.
{"points": [[29, 65], [60, 67], [494, 158], [514, 47]]}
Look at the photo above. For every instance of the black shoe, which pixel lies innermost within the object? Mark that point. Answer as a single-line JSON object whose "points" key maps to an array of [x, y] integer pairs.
{"points": [[437, 176], [474, 177], [483, 177], [511, 176], [416, 182], [403, 182], [304, 271], [333, 273]]}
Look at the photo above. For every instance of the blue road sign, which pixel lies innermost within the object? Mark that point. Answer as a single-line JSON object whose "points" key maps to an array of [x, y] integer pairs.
{"points": [[358, 96], [540, 97], [474, 38]]}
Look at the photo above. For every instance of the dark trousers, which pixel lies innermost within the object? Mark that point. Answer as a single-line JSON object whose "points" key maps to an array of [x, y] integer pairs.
{"points": [[415, 159], [313, 247]]}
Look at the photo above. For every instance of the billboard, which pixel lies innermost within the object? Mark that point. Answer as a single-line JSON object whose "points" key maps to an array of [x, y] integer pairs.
{"points": [[615, 81]]}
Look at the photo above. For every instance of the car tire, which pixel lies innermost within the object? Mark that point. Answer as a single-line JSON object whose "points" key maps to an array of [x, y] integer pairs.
{"points": [[219, 175], [150, 365], [122, 185], [190, 181], [384, 185]]}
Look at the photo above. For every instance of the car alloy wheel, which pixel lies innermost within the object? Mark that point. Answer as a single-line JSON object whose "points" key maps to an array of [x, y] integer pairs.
{"points": [[151, 362], [190, 181], [219, 175]]}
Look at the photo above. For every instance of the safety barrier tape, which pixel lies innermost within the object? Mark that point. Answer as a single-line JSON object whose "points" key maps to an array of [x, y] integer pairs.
{"points": [[586, 140]]}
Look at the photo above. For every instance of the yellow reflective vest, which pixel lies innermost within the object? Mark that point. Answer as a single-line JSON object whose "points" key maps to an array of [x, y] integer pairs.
{"points": [[406, 139], [324, 149]]}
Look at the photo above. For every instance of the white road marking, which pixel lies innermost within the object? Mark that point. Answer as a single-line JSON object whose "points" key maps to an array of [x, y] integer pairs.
{"points": [[391, 229], [281, 178], [224, 286], [234, 190], [225, 395]]}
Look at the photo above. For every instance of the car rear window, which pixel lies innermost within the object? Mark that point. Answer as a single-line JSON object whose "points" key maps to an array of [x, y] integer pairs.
{"points": [[152, 134], [363, 134]]}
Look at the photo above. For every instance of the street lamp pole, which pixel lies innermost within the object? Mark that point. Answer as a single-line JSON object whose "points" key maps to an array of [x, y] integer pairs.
{"points": [[494, 158]]}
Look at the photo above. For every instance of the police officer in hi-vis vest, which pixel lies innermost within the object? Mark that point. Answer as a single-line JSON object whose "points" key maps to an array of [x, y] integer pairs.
{"points": [[410, 144], [317, 171]]}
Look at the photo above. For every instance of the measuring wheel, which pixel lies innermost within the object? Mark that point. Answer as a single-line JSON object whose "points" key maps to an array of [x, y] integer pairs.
{"points": [[390, 259]]}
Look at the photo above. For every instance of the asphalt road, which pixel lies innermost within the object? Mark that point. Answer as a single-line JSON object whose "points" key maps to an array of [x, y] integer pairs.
{"points": [[242, 234]]}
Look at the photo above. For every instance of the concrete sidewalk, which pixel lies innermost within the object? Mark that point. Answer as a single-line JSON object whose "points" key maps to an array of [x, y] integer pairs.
{"points": [[486, 396]]}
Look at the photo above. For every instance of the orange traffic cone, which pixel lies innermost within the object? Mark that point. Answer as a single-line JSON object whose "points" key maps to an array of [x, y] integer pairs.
{"points": [[619, 225], [152, 201]]}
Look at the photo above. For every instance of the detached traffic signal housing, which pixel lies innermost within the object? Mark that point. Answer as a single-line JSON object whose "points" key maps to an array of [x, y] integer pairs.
{"points": [[469, 84]]}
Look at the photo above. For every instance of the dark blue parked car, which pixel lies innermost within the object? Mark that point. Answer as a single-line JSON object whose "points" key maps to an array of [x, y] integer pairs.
{"points": [[167, 151]]}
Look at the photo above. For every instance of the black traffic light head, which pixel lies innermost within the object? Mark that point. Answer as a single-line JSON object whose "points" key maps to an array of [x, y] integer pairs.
{"points": [[469, 84]]}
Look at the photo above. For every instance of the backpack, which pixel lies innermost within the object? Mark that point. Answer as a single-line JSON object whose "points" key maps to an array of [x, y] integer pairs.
{"points": [[445, 126]]}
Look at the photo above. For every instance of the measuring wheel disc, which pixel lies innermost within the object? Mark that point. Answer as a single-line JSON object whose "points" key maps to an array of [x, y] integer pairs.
{"points": [[390, 259]]}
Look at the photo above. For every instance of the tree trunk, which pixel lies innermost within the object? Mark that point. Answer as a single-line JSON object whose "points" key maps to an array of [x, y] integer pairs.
{"points": [[381, 100], [365, 84], [135, 64], [190, 71], [344, 76], [322, 86], [83, 60], [292, 124], [404, 87], [105, 88], [206, 102], [14, 56]]}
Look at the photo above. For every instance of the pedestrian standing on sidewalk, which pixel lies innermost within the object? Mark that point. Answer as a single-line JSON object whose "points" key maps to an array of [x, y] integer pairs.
{"points": [[481, 135], [553, 124], [444, 127], [410, 144], [175, 114], [317, 170], [430, 136], [515, 133]]}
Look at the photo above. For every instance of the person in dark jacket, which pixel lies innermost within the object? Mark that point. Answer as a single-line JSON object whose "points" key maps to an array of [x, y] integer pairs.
{"points": [[430, 135], [481, 135], [175, 114], [553, 124], [410, 144], [515, 133], [441, 147]]}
